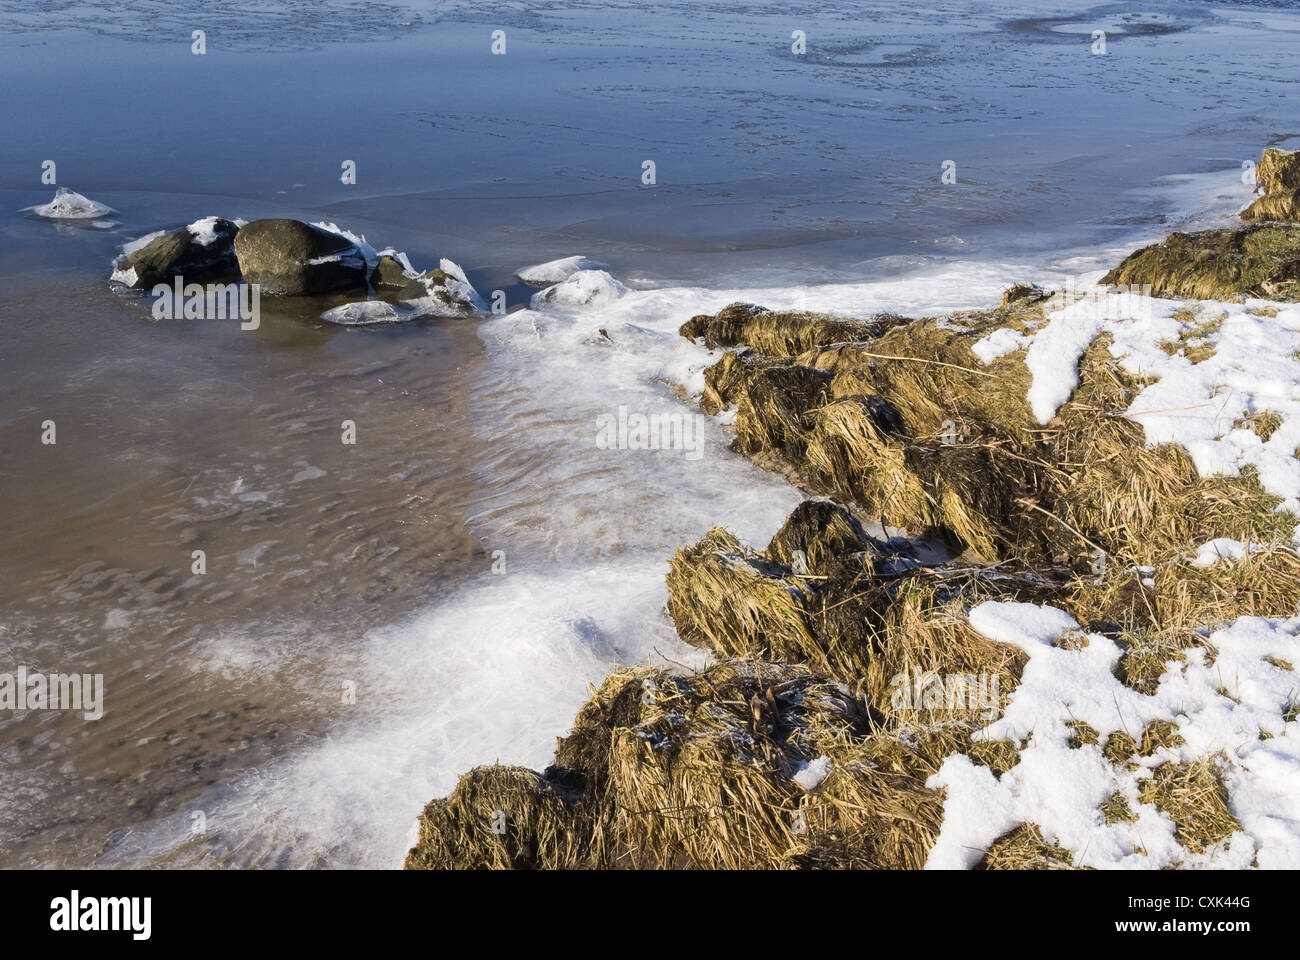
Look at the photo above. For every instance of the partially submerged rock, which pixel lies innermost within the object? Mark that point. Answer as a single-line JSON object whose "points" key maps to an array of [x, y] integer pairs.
{"points": [[396, 275], [1256, 261], [200, 253], [403, 295], [292, 258]]}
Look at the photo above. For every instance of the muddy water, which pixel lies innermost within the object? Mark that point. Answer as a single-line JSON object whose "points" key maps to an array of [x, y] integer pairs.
{"points": [[179, 436]]}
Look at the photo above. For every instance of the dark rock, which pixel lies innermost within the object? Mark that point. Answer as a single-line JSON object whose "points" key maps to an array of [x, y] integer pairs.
{"points": [[181, 253], [389, 274]]}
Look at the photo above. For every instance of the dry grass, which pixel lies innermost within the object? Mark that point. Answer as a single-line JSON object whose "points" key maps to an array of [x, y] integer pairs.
{"points": [[1194, 797], [854, 613], [901, 423], [779, 333], [816, 535], [1025, 849], [1115, 809], [914, 432], [1264, 424], [498, 818], [697, 773], [1278, 170], [1280, 207], [1198, 327], [1256, 261], [775, 410], [1082, 734], [734, 601]]}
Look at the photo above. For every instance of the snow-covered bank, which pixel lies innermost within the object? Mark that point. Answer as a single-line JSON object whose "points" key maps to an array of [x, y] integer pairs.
{"points": [[1231, 710]]}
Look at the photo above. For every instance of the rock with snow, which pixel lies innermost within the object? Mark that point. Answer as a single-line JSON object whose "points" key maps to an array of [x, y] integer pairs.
{"points": [[394, 272], [449, 284], [583, 289], [201, 252]]}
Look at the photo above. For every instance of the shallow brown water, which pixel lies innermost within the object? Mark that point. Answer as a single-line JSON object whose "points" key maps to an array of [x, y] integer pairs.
{"points": [[176, 436]]}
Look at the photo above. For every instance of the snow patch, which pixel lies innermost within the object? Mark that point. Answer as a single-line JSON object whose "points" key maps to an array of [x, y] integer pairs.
{"points": [[1223, 548], [1220, 709], [811, 774], [998, 344]]}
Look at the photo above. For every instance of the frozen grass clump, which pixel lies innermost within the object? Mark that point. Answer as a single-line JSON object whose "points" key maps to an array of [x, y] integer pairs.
{"points": [[698, 771]]}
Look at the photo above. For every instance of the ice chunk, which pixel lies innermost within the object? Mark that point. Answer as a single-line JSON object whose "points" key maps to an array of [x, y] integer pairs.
{"points": [[555, 271], [584, 288], [70, 205], [811, 774]]}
